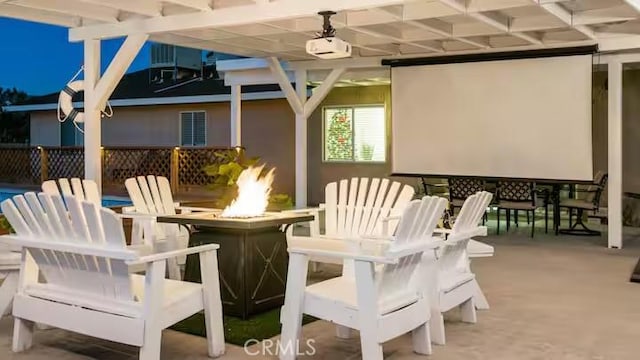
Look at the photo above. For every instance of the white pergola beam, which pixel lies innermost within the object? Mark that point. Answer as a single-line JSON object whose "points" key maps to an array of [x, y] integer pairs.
{"points": [[203, 5], [146, 8], [118, 66], [606, 15], [635, 4], [92, 126], [302, 170], [566, 17], [285, 85], [236, 115], [252, 77], [619, 43], [232, 16], [41, 16], [321, 92], [73, 8], [395, 39], [493, 19]]}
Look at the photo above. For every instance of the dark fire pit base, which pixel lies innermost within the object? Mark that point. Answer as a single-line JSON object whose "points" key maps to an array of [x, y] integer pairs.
{"points": [[252, 265]]}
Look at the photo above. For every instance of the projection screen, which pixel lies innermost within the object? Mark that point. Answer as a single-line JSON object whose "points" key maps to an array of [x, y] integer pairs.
{"points": [[528, 118]]}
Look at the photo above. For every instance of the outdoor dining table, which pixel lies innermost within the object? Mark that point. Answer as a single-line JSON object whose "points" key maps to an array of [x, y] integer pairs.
{"points": [[555, 186]]}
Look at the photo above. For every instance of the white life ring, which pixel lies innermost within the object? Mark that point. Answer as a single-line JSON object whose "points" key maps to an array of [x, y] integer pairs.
{"points": [[66, 101]]}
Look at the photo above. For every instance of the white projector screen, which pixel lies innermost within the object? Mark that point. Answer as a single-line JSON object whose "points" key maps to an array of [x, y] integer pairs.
{"points": [[528, 118]]}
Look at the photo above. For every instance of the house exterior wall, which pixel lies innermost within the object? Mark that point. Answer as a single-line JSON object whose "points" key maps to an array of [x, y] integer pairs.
{"points": [[44, 129], [319, 172], [267, 131]]}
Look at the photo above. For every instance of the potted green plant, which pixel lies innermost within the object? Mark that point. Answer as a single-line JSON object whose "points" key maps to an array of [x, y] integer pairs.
{"points": [[366, 152]]}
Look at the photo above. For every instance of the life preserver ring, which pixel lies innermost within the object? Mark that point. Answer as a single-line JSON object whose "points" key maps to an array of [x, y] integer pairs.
{"points": [[65, 100], [65, 103]]}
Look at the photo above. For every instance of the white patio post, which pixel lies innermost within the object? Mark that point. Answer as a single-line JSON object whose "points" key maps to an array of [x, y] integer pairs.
{"points": [[301, 141], [97, 90], [303, 108], [236, 115], [92, 127], [615, 153]]}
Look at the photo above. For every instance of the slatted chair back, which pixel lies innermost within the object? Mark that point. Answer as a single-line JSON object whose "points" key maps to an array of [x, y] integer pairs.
{"points": [[517, 191], [70, 277], [453, 257], [462, 188], [356, 207], [594, 192], [81, 189], [472, 212], [152, 195], [418, 221]]}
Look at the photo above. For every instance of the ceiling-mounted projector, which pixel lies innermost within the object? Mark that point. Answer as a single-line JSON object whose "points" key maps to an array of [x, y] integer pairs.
{"points": [[327, 45]]}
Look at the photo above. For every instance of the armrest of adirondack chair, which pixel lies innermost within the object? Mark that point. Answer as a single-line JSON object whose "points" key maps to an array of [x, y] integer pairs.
{"points": [[140, 216], [467, 234], [173, 254], [341, 250], [70, 247], [314, 229], [190, 209]]}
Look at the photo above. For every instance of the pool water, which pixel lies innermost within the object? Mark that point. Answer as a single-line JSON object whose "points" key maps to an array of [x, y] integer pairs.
{"points": [[107, 201]]}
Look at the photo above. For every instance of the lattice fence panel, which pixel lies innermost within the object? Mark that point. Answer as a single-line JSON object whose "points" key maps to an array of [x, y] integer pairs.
{"points": [[191, 162], [120, 164], [65, 162], [20, 165]]}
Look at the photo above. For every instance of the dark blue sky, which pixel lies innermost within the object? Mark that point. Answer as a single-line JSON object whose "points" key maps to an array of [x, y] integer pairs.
{"points": [[38, 58]]}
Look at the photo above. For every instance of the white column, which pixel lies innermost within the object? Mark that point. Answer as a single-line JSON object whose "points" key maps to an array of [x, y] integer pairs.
{"points": [[301, 141], [615, 154], [92, 130], [236, 115]]}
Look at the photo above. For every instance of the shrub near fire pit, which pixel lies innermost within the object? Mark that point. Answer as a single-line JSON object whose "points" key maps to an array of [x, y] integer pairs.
{"points": [[5, 227], [224, 176]]}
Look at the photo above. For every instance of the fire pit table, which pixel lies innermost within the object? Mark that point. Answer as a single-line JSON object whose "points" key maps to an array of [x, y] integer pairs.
{"points": [[252, 259]]}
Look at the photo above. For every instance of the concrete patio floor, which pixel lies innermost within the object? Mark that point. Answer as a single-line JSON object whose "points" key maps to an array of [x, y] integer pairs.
{"points": [[551, 297]]}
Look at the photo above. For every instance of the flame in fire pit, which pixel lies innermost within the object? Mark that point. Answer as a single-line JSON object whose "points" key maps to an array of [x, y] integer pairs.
{"points": [[253, 194]]}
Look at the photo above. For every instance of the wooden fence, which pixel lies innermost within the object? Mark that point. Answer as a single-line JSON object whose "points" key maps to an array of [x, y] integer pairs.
{"points": [[182, 166]]}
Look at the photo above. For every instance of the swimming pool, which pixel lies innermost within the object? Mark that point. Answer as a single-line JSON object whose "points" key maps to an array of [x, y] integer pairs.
{"points": [[106, 200]]}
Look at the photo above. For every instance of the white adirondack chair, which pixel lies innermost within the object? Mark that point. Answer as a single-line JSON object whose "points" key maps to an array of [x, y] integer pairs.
{"points": [[381, 303], [356, 208], [84, 284], [151, 195], [81, 189], [9, 268], [457, 285], [87, 190]]}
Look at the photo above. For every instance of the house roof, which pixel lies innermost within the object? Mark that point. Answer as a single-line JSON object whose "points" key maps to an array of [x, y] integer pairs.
{"points": [[136, 89]]}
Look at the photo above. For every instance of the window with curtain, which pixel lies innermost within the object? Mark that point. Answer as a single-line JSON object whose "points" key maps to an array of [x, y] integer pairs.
{"points": [[193, 128], [355, 134]]}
